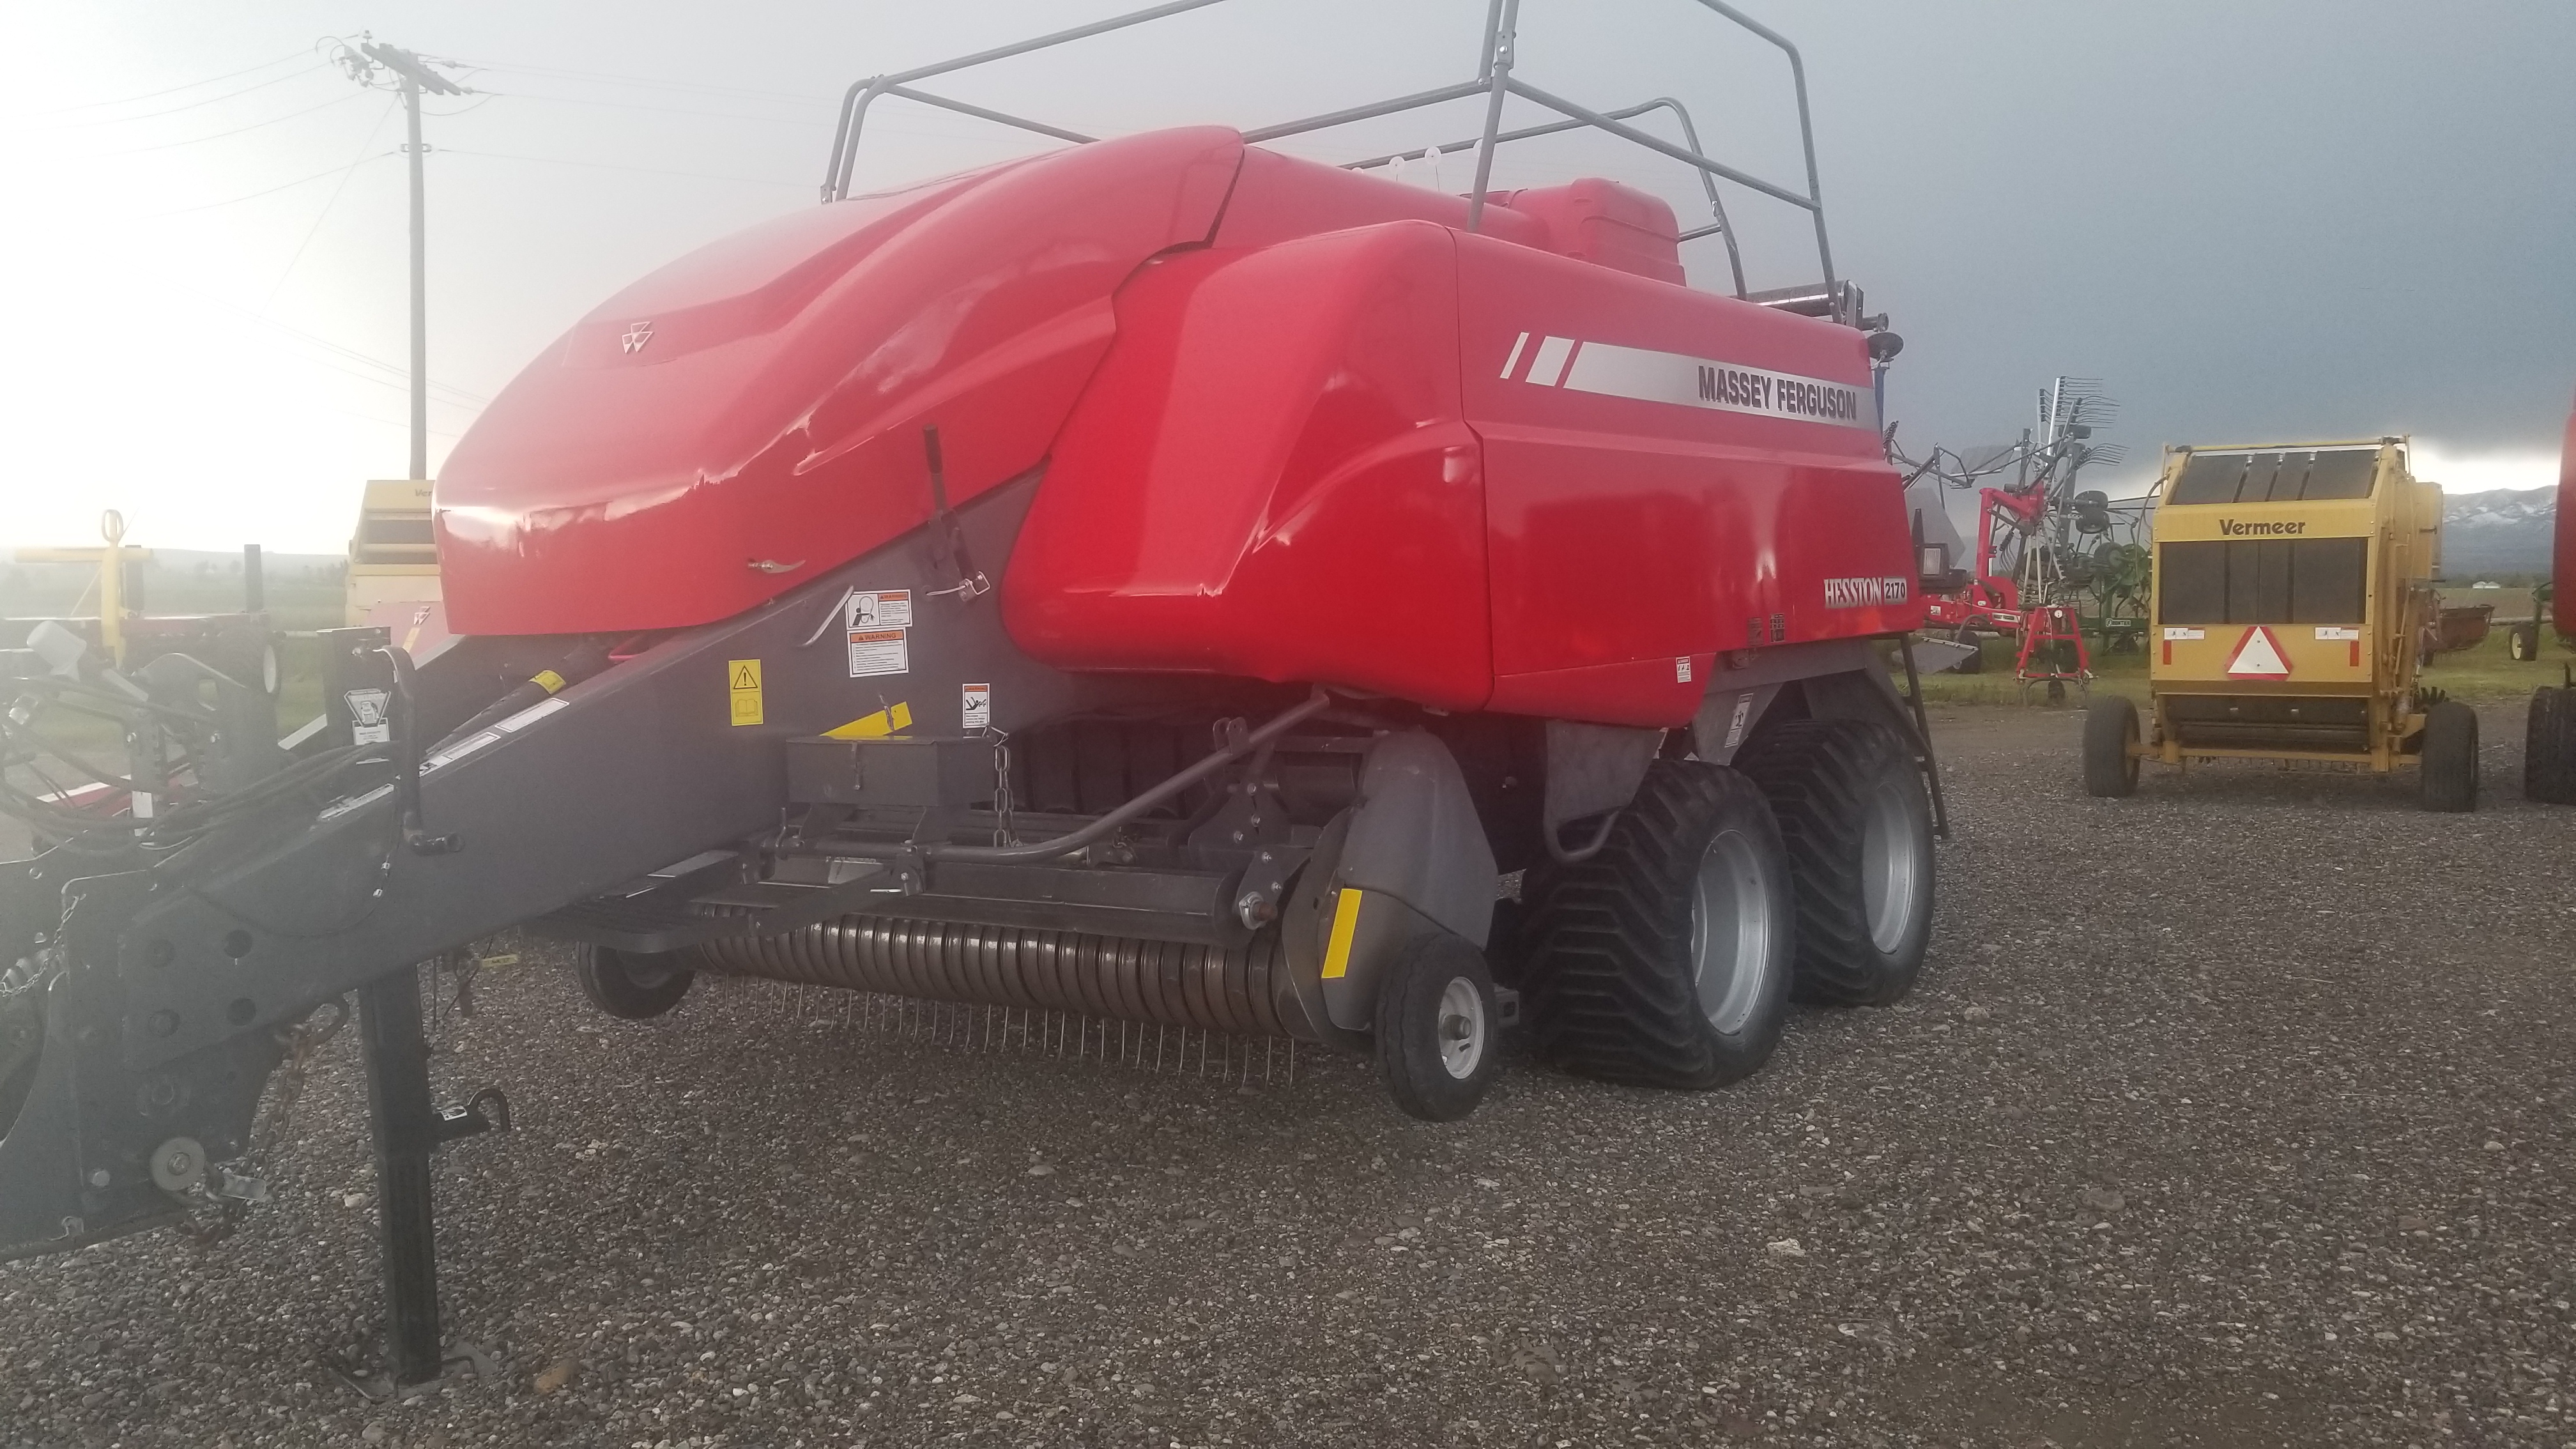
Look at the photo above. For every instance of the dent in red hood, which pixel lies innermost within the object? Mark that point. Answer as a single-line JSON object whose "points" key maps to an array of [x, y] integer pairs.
{"points": [[750, 415]]}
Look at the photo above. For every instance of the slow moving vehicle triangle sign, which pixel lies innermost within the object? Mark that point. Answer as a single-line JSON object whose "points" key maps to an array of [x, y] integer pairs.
{"points": [[2258, 656]]}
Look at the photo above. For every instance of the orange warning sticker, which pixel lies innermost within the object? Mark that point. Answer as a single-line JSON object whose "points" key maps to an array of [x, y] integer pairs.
{"points": [[2258, 656]]}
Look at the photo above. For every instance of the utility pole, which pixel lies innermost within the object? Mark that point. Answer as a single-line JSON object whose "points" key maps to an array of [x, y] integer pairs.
{"points": [[414, 77]]}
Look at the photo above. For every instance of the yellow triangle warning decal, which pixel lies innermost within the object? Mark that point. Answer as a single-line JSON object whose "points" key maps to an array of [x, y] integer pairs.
{"points": [[2258, 656], [746, 675]]}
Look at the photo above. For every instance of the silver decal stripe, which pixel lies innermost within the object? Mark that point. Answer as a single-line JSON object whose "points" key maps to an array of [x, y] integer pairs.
{"points": [[1515, 359], [1698, 382], [1550, 363]]}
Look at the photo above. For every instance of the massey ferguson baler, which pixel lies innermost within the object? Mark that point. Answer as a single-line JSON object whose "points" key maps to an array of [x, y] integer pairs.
{"points": [[1161, 580]]}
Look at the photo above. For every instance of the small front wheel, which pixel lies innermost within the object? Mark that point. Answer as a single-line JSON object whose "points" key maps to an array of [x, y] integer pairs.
{"points": [[2522, 642], [630, 986], [1438, 1029]]}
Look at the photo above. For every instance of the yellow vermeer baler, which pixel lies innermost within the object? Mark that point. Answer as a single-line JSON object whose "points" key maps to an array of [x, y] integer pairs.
{"points": [[2292, 584]]}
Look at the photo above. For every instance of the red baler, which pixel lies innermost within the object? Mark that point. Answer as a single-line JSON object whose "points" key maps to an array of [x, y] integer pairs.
{"points": [[1161, 580]]}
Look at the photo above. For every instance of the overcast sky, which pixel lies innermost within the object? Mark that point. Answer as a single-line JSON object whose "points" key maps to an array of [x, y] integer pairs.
{"points": [[2293, 219]]}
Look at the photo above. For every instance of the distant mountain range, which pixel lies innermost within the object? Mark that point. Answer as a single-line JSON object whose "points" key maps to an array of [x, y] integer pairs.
{"points": [[2501, 531]]}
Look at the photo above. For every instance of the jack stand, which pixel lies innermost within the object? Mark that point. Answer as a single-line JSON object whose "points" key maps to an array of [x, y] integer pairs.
{"points": [[408, 1128], [2048, 634]]}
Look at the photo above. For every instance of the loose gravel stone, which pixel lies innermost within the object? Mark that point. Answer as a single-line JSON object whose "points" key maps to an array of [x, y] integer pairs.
{"points": [[2235, 1113]]}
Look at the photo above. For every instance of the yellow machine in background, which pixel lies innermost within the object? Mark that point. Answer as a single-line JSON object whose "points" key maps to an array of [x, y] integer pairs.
{"points": [[393, 557], [2292, 586]]}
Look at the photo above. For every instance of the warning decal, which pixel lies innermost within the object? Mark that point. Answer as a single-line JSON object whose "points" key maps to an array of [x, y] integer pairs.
{"points": [[977, 706], [370, 716], [2258, 656], [878, 651], [880, 609], [742, 689]]}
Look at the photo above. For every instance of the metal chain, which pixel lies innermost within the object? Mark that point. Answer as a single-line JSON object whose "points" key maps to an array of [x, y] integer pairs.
{"points": [[1003, 833], [460, 967], [213, 1217], [303, 1042]]}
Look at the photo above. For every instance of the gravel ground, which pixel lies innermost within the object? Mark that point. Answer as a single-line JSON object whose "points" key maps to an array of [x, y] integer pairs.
{"points": [[2235, 1113]]}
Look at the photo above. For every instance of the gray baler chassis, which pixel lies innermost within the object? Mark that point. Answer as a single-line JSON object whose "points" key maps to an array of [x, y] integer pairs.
{"points": [[1152, 850]]}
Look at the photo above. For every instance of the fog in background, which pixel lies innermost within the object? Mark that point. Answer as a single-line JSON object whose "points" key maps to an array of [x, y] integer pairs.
{"points": [[2306, 218]]}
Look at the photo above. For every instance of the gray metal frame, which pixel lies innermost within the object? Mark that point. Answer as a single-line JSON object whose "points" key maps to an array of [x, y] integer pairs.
{"points": [[1494, 81]]}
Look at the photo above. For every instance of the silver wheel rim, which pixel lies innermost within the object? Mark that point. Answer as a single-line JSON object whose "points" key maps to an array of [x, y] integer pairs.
{"points": [[1461, 1027], [1891, 863], [1731, 930]]}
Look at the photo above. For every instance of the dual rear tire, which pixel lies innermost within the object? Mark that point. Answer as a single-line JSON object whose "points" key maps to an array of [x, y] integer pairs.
{"points": [[1670, 958]]}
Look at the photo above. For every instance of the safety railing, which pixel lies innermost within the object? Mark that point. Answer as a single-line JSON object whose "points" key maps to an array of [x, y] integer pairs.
{"points": [[1494, 81]]}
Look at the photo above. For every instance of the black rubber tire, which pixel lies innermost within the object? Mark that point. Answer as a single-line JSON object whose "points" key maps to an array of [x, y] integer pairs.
{"points": [[1612, 985], [2549, 748], [2450, 761], [631, 988], [1413, 1028], [2522, 642], [1974, 663], [1825, 778], [2110, 735]]}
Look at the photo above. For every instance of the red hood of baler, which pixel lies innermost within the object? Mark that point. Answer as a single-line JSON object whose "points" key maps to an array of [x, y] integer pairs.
{"points": [[750, 415]]}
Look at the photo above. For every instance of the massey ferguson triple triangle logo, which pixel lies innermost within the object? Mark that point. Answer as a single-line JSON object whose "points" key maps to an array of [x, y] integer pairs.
{"points": [[636, 336]]}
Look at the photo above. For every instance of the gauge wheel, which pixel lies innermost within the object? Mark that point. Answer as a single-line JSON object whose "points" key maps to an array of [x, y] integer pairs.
{"points": [[632, 986], [1439, 1030]]}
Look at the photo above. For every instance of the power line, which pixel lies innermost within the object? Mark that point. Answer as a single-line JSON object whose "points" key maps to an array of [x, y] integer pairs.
{"points": [[488, 98], [190, 106], [649, 83], [616, 166], [890, 123], [459, 396], [372, 418], [174, 90], [235, 131], [403, 387], [334, 200], [667, 110], [254, 196]]}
